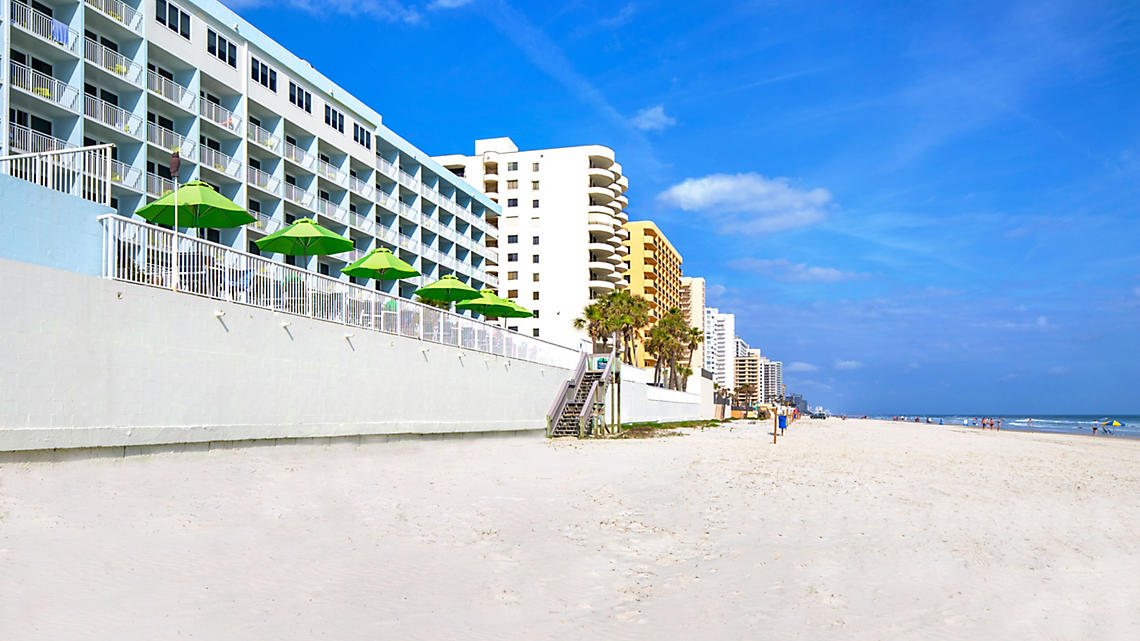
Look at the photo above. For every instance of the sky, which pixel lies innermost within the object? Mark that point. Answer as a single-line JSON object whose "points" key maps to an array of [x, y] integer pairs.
{"points": [[918, 208]]}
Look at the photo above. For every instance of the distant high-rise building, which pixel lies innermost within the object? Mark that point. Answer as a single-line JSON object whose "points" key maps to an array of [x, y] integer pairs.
{"points": [[765, 376], [693, 306], [741, 347], [560, 235], [653, 271], [720, 347]]}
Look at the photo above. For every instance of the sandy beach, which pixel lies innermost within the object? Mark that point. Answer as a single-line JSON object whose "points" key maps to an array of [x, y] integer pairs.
{"points": [[845, 529]]}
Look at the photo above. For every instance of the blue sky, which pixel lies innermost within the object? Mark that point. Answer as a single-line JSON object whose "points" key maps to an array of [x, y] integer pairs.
{"points": [[923, 208]]}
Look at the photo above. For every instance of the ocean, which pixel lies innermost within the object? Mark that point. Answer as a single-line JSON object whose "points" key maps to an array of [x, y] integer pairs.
{"points": [[1057, 423]]}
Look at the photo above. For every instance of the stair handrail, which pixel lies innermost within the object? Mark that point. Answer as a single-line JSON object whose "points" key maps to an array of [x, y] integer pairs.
{"points": [[563, 395], [588, 406]]}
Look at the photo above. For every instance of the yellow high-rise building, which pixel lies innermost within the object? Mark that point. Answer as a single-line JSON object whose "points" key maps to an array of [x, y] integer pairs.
{"points": [[653, 271]]}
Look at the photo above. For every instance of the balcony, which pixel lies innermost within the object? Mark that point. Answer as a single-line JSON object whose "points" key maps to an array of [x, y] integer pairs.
{"points": [[263, 223], [360, 187], [600, 195], [298, 196], [362, 222], [221, 163], [407, 211], [387, 168], [171, 91], [112, 116], [27, 141], [299, 157], [262, 138], [170, 141], [406, 179], [119, 12], [45, 87], [597, 286], [332, 210], [158, 186], [126, 176], [326, 170], [113, 62], [220, 116], [409, 244], [388, 202], [262, 181], [45, 28]]}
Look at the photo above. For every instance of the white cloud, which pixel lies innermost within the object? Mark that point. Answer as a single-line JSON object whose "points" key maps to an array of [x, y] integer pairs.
{"points": [[748, 203], [848, 364], [652, 119], [388, 10], [447, 4], [801, 367], [1042, 321], [621, 17], [716, 290], [786, 270]]}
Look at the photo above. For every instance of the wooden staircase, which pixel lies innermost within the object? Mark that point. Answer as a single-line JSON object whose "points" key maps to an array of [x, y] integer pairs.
{"points": [[567, 423]]}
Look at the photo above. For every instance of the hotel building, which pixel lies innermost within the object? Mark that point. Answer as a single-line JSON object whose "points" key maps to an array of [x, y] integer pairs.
{"points": [[653, 271], [720, 347], [246, 116], [693, 306], [765, 376], [560, 233]]}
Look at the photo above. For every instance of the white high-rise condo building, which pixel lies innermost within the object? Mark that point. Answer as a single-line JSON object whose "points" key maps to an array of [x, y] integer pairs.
{"points": [[246, 116], [741, 347], [720, 347], [560, 232], [693, 306]]}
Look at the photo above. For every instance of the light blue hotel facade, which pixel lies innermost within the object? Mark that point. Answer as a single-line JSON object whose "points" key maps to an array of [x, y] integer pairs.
{"points": [[245, 115]]}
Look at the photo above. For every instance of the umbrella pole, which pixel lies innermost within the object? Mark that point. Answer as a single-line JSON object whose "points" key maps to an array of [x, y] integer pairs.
{"points": [[174, 253]]}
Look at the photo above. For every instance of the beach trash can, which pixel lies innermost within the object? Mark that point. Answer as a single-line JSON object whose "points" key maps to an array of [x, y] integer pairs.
{"points": [[782, 422]]}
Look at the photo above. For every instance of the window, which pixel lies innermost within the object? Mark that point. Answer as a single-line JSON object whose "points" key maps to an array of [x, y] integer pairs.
{"points": [[513, 238], [535, 312], [362, 136], [300, 97], [458, 171], [534, 296], [334, 119], [263, 74], [512, 258], [255, 206], [534, 204], [513, 328], [512, 202], [534, 240], [512, 184], [175, 19], [534, 185], [512, 293], [534, 167], [512, 166], [221, 48], [534, 259], [534, 332], [512, 275], [534, 277]]}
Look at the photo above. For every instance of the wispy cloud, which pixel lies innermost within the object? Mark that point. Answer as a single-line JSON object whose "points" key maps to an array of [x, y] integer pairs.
{"points": [[847, 365], [620, 18], [386, 10], [652, 119], [786, 270], [801, 367], [448, 4], [748, 203]]}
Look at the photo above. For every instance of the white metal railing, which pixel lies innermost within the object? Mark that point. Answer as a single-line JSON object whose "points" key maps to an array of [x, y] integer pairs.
{"points": [[44, 26], [84, 171], [158, 186], [170, 141], [353, 255], [262, 180], [112, 116], [220, 162], [407, 211], [264, 223], [262, 137], [119, 12], [219, 115], [22, 139], [408, 243], [387, 201], [360, 221], [332, 210], [126, 175], [388, 235], [45, 86], [144, 254], [359, 186], [299, 156], [112, 61], [299, 196], [406, 179], [328, 171], [388, 168], [170, 90]]}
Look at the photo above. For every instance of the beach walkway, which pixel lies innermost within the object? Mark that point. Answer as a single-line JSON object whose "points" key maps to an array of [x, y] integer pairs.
{"points": [[855, 529]]}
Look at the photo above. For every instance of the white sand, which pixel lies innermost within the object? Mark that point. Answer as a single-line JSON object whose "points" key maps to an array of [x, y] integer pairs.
{"points": [[844, 530]]}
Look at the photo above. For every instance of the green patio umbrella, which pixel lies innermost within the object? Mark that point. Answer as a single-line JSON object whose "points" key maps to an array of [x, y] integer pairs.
{"points": [[448, 289], [488, 304], [197, 205], [518, 311], [381, 264], [304, 238]]}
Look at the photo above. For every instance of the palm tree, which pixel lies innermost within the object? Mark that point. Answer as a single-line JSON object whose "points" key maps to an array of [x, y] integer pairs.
{"points": [[617, 312]]}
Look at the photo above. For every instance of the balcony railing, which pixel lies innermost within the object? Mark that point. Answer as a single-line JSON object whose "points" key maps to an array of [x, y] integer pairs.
{"points": [[158, 186], [45, 87], [332, 210], [299, 156], [170, 90], [264, 224], [170, 141], [359, 186], [388, 168], [406, 179], [388, 235], [263, 137], [119, 12], [45, 27], [84, 172], [262, 180], [126, 175], [220, 162], [362, 222], [328, 171], [407, 211], [220, 116], [409, 244], [147, 255], [112, 116], [113, 62], [24, 140], [298, 196]]}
